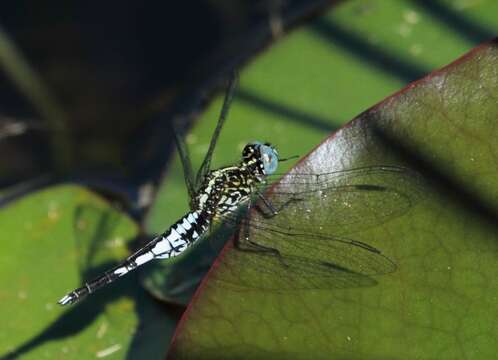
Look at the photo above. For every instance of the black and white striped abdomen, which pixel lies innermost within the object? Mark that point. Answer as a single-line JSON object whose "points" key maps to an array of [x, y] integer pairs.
{"points": [[171, 243], [181, 235]]}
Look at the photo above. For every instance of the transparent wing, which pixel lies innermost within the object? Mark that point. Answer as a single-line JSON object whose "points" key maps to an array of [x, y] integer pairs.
{"points": [[303, 262], [206, 163], [342, 202], [302, 247], [263, 271]]}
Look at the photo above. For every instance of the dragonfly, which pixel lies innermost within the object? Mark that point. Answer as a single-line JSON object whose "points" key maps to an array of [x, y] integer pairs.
{"points": [[283, 242]]}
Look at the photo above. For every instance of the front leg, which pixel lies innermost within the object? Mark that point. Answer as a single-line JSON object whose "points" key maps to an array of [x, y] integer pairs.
{"points": [[271, 210]]}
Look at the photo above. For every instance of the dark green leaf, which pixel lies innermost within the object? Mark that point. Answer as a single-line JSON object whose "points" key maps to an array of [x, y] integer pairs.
{"points": [[57, 238], [440, 302]]}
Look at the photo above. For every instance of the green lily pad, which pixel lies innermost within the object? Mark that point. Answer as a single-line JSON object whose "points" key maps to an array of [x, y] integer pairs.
{"points": [[440, 301], [307, 84], [52, 241]]}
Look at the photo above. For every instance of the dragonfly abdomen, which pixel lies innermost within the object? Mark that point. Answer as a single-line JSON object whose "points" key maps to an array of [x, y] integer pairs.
{"points": [[180, 235], [171, 243]]}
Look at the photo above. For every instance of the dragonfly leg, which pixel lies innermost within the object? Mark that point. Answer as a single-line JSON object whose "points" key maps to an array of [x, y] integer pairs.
{"points": [[246, 244], [271, 210], [269, 206]]}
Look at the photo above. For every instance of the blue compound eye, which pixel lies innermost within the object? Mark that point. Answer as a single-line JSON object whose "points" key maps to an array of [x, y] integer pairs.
{"points": [[269, 158]]}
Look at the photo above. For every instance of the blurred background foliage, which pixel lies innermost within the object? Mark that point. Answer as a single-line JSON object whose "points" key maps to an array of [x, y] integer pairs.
{"points": [[87, 96]]}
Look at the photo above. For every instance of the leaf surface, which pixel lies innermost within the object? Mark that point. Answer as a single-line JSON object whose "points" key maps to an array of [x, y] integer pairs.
{"points": [[440, 300], [58, 238], [305, 86]]}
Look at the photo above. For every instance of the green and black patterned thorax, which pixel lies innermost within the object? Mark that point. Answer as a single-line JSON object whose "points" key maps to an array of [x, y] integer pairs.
{"points": [[223, 190]]}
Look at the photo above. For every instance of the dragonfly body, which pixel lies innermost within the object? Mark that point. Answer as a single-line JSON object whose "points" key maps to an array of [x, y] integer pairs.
{"points": [[221, 193], [302, 247]]}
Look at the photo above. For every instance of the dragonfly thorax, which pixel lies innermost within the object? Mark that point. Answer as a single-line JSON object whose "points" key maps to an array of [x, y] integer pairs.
{"points": [[223, 190]]}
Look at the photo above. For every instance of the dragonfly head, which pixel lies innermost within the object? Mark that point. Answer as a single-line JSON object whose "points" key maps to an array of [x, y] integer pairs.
{"points": [[262, 157]]}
